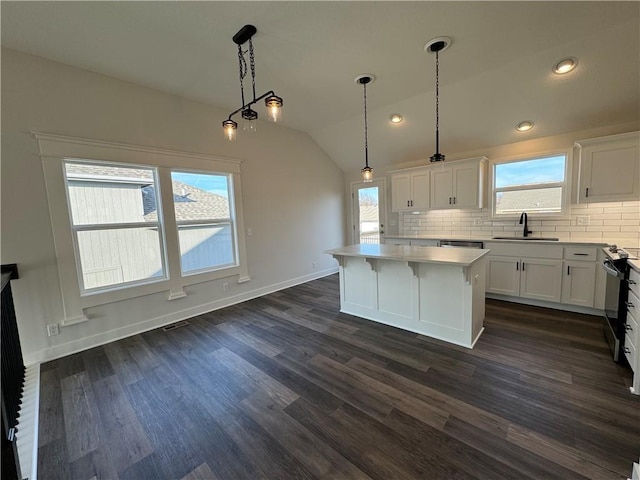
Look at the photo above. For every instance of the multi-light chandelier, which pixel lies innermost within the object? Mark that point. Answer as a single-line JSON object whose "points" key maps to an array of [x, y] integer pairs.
{"points": [[436, 46], [271, 100], [367, 171]]}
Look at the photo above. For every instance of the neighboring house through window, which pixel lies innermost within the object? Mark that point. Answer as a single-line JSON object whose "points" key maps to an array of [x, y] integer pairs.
{"points": [[535, 185]]}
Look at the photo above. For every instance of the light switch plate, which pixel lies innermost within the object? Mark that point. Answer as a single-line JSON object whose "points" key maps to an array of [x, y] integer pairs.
{"points": [[583, 220]]}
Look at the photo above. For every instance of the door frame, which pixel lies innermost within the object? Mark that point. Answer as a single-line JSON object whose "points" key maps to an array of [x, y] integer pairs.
{"points": [[381, 183]]}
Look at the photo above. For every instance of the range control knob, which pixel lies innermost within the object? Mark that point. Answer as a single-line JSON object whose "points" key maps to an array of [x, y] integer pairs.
{"points": [[613, 248]]}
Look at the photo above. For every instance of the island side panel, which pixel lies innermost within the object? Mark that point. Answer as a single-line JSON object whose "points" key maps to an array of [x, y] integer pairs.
{"points": [[478, 281], [358, 289]]}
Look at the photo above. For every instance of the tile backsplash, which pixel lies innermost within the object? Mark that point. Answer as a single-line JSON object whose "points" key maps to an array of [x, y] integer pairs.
{"points": [[612, 222]]}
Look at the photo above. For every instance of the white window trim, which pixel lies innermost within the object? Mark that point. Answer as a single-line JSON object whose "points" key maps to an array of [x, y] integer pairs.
{"points": [[54, 149], [566, 197]]}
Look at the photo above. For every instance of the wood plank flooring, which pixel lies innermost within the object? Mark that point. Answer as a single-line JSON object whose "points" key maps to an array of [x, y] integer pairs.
{"points": [[286, 387]]}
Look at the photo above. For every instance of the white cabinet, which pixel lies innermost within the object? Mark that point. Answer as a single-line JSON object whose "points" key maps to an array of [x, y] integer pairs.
{"points": [[536, 276], [609, 168], [458, 185], [579, 276], [632, 337], [410, 190]]}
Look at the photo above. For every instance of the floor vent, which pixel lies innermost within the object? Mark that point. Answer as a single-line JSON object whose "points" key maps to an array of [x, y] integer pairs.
{"points": [[173, 326]]}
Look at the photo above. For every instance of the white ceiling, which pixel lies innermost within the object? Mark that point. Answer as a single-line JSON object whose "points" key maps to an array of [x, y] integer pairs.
{"points": [[496, 73]]}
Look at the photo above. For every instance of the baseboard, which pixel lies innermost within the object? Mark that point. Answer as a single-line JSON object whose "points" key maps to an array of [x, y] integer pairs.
{"points": [[540, 303], [86, 343]]}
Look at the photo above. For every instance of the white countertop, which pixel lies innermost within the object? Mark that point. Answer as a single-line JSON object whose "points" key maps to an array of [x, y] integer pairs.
{"points": [[586, 241], [454, 256], [635, 264]]}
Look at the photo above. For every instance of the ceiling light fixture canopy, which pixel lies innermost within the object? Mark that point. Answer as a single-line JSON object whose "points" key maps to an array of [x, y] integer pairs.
{"points": [[364, 80], [436, 46], [565, 65], [272, 101]]}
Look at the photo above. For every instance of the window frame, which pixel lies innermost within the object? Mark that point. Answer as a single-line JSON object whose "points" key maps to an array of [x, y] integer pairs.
{"points": [[566, 185], [56, 149]]}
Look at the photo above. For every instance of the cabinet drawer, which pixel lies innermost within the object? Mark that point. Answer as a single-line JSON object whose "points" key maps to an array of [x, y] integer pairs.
{"points": [[633, 306], [631, 352], [634, 282], [580, 253], [521, 249], [632, 330]]}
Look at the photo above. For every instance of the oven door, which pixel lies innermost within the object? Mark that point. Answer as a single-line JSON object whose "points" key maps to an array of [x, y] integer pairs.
{"points": [[614, 311]]}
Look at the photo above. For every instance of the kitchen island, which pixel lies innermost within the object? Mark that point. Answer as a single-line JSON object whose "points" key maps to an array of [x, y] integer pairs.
{"points": [[437, 292]]}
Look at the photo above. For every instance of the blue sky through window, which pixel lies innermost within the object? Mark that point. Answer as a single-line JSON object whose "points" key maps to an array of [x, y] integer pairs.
{"points": [[211, 183], [527, 172]]}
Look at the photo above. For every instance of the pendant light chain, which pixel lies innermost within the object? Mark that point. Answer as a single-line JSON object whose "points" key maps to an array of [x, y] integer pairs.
{"points": [[366, 142], [253, 68], [437, 101], [242, 64]]}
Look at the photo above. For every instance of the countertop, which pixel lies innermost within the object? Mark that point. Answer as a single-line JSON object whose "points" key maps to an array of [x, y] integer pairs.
{"points": [[594, 242], [635, 264], [464, 257]]}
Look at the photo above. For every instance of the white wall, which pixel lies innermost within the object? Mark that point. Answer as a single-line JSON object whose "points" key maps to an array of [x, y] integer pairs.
{"points": [[293, 196]]}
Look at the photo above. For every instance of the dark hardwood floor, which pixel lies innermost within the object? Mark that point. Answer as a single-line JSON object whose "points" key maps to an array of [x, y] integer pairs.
{"points": [[285, 386]]}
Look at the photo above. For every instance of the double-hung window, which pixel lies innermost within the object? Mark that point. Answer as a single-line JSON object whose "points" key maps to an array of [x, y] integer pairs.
{"points": [[118, 237], [535, 185]]}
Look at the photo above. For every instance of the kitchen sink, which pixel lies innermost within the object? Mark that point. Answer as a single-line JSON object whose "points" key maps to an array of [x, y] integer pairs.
{"points": [[549, 239]]}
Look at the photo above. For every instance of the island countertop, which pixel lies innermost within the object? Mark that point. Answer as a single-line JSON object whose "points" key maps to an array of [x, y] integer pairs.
{"points": [[464, 257]]}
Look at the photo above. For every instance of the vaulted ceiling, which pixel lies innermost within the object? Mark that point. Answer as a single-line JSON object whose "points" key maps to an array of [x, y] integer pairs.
{"points": [[496, 72]]}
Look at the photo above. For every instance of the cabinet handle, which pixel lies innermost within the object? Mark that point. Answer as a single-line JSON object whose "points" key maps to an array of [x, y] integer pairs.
{"points": [[586, 193], [628, 328], [412, 203], [629, 304], [454, 200], [626, 350], [517, 265], [632, 282], [523, 266], [568, 270], [449, 200], [581, 254]]}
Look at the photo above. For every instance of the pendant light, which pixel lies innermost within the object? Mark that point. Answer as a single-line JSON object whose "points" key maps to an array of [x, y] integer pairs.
{"points": [[271, 100], [364, 80], [436, 46]]}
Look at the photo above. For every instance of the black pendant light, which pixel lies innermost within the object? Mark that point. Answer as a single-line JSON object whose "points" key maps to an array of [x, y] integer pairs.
{"points": [[364, 80], [436, 46], [271, 100]]}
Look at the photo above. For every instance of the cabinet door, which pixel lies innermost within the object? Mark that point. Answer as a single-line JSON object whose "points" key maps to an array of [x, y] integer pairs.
{"points": [[400, 192], [465, 186], [610, 171], [540, 279], [578, 283], [441, 182], [503, 275], [420, 190]]}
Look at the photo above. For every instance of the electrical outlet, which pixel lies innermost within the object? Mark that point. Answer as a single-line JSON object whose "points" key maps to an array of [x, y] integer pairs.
{"points": [[583, 220], [225, 287], [249, 232], [53, 329], [477, 220]]}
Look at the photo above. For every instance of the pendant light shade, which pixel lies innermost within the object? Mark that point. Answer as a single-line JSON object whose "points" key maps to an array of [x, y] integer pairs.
{"points": [[364, 80], [436, 46], [271, 100]]}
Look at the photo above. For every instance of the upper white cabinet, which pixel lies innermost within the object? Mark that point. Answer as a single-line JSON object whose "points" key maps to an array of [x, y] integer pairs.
{"points": [[410, 190], [458, 184], [609, 168]]}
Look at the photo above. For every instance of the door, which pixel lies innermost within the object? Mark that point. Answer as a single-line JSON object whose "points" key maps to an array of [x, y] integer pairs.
{"points": [[368, 212], [578, 283], [540, 279]]}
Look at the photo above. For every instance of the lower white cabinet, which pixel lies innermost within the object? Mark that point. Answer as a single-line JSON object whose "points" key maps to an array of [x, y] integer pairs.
{"points": [[534, 278], [578, 283]]}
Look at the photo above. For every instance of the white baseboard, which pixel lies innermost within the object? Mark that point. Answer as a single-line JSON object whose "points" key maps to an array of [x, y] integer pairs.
{"points": [[86, 343]]}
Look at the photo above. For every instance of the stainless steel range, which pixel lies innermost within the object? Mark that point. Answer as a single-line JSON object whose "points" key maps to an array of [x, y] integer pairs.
{"points": [[616, 297]]}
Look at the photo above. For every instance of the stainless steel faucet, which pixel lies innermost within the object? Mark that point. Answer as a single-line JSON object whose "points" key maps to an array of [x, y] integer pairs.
{"points": [[523, 219]]}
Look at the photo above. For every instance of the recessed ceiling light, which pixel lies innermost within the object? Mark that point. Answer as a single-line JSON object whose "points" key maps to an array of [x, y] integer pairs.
{"points": [[396, 118], [524, 126], [565, 65]]}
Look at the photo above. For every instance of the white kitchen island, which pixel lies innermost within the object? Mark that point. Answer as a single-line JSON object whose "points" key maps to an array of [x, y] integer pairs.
{"points": [[437, 292]]}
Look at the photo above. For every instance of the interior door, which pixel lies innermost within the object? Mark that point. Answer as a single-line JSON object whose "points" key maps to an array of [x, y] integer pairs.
{"points": [[368, 212]]}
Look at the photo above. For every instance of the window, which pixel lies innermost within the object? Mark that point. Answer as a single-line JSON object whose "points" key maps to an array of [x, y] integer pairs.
{"points": [[139, 221], [204, 221], [117, 236], [535, 185]]}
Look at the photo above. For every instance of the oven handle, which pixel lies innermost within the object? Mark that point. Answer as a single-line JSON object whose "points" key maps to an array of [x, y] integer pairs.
{"points": [[610, 268]]}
